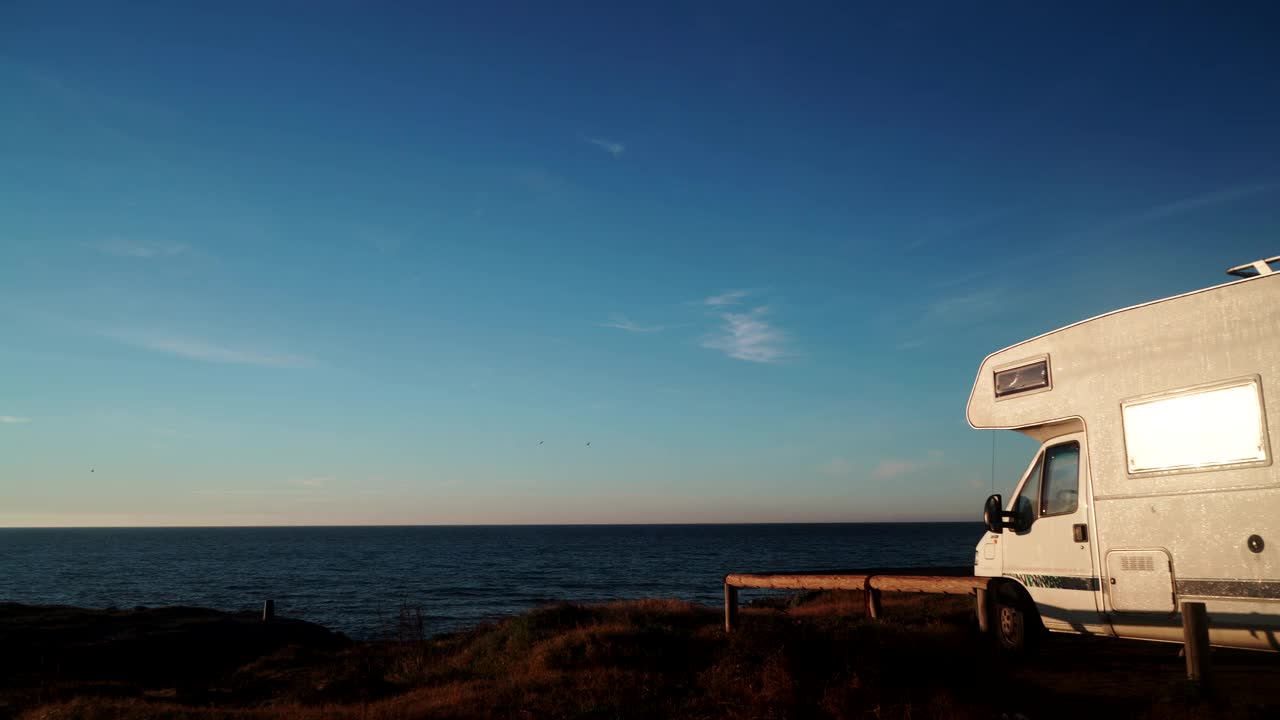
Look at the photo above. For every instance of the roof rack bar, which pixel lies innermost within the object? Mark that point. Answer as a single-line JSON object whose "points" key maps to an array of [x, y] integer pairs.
{"points": [[1255, 268]]}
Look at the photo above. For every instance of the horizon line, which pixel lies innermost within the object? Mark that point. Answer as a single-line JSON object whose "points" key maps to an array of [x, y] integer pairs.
{"points": [[479, 525]]}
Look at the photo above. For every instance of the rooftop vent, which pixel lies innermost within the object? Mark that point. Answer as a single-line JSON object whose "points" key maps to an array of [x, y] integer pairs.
{"points": [[1255, 268]]}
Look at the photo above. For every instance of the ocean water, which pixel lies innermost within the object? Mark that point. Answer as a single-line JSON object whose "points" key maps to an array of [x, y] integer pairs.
{"points": [[354, 579]]}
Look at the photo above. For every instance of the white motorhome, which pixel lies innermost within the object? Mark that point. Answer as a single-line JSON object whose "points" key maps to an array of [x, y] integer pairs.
{"points": [[1156, 481]]}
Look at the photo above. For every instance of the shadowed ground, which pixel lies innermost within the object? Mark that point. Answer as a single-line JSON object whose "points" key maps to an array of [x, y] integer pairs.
{"points": [[812, 655]]}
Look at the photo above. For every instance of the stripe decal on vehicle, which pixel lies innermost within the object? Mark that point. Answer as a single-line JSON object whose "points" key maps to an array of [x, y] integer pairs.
{"points": [[1251, 589], [1058, 582], [1261, 589]]}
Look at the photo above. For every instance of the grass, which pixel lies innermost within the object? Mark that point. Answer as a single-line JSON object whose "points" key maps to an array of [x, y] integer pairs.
{"points": [[816, 657]]}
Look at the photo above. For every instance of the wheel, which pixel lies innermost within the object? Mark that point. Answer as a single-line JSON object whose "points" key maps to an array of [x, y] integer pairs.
{"points": [[1018, 627], [1011, 628]]}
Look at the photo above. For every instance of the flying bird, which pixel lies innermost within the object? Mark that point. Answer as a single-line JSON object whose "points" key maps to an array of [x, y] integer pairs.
{"points": [[540, 442], [588, 443]]}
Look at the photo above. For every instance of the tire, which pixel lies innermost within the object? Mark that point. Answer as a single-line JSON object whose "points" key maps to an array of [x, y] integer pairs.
{"points": [[1017, 626]]}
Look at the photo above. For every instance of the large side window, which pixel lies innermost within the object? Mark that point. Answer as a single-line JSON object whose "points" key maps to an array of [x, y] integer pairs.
{"points": [[1197, 429], [1026, 505], [1061, 490]]}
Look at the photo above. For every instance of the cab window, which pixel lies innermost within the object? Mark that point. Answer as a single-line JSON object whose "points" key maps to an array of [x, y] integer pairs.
{"points": [[1059, 495], [1026, 504]]}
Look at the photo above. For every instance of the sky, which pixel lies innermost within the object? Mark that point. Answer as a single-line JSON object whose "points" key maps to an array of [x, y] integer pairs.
{"points": [[280, 263]]}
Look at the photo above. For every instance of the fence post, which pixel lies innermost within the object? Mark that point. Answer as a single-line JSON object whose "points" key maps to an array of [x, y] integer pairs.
{"points": [[268, 610], [983, 610], [730, 607], [872, 597], [1195, 637]]}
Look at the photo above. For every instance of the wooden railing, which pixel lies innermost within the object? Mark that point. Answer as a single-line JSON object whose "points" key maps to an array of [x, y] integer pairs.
{"points": [[1195, 622], [871, 584]]}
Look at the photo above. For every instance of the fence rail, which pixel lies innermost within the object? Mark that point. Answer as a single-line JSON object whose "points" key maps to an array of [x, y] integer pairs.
{"points": [[870, 583], [1194, 619]]}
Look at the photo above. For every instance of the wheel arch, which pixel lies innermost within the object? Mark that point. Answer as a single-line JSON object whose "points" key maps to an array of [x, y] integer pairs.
{"points": [[1009, 591]]}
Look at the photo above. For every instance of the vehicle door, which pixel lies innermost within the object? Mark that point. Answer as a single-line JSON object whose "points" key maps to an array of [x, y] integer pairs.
{"points": [[1049, 549]]}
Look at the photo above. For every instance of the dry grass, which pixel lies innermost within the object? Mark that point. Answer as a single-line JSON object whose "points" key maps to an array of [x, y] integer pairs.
{"points": [[664, 659]]}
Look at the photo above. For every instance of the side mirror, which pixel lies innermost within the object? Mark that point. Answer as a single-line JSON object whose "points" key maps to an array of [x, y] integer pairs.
{"points": [[993, 514]]}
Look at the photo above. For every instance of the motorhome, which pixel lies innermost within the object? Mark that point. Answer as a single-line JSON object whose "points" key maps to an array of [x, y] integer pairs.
{"points": [[1156, 480]]}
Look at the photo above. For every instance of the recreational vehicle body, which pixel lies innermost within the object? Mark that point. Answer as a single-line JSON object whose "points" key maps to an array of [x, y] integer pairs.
{"points": [[1155, 482]]}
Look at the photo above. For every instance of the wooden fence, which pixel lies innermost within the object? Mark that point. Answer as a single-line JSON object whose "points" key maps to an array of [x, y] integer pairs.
{"points": [[1194, 620], [872, 585]]}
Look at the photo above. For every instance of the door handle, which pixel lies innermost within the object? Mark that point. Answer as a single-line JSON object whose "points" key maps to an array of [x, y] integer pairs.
{"points": [[1080, 532]]}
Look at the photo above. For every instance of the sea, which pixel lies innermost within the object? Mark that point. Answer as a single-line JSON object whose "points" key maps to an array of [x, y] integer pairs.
{"points": [[356, 579]]}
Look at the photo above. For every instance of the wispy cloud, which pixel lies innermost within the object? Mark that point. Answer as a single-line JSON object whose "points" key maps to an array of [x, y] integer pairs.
{"points": [[732, 297], [919, 341], [298, 488], [612, 147], [983, 303], [748, 336], [890, 469], [139, 249], [543, 183], [1090, 240], [837, 467], [203, 350], [956, 309], [1189, 204], [381, 240], [968, 305], [243, 492], [622, 323], [945, 229], [118, 118], [13, 420]]}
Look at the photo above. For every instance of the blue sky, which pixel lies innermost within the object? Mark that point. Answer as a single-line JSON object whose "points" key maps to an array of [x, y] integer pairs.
{"points": [[310, 263]]}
